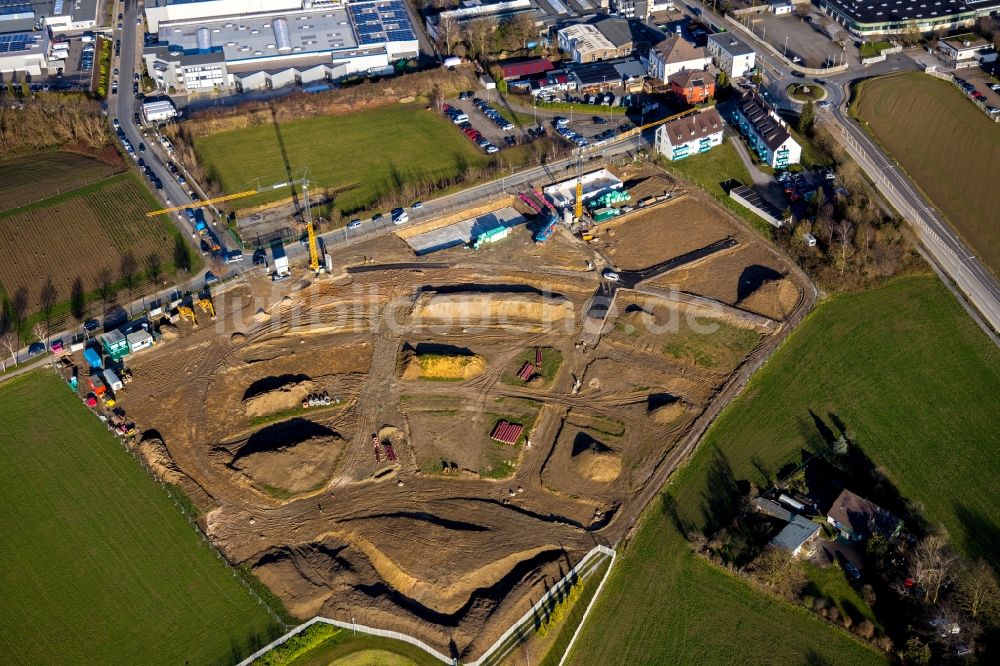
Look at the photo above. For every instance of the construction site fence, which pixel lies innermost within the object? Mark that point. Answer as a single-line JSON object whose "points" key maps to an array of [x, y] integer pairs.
{"points": [[507, 641]]}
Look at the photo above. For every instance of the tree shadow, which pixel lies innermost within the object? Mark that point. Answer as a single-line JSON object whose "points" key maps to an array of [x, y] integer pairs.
{"points": [[981, 534], [721, 499]]}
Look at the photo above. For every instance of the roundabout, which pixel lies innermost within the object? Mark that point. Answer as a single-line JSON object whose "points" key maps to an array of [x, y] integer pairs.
{"points": [[805, 92]]}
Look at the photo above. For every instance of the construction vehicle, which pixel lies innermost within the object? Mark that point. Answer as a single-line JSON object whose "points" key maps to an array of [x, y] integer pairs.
{"points": [[184, 312], [378, 450], [621, 137], [212, 241], [206, 305], [126, 376]]}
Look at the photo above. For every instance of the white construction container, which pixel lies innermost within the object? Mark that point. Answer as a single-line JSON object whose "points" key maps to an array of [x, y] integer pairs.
{"points": [[112, 381]]}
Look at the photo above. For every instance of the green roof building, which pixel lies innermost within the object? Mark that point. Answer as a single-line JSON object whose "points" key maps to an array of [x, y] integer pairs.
{"points": [[115, 344]]}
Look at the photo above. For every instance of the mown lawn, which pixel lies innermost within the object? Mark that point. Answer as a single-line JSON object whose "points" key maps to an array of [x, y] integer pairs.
{"points": [[358, 155], [915, 381], [99, 566], [927, 124]]}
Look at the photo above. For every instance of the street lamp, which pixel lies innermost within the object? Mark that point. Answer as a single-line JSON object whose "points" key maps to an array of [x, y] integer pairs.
{"points": [[786, 46]]}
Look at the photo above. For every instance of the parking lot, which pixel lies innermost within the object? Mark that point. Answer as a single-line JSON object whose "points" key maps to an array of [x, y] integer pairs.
{"points": [[982, 82], [804, 39]]}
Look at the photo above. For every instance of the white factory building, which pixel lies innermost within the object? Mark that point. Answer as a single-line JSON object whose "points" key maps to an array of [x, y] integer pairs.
{"points": [[23, 52], [267, 44], [24, 41]]}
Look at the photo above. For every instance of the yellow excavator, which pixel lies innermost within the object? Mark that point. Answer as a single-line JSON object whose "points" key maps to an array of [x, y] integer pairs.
{"points": [[206, 306], [184, 312]]}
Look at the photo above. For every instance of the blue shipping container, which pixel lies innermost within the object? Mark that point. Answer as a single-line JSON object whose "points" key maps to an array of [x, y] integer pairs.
{"points": [[93, 358]]}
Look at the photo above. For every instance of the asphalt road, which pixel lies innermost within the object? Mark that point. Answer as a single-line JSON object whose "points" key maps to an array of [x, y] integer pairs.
{"points": [[980, 287]]}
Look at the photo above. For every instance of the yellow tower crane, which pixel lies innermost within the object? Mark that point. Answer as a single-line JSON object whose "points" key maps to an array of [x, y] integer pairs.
{"points": [[621, 137], [314, 264]]}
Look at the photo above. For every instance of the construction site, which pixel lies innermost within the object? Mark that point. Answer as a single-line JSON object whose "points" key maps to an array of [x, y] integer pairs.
{"points": [[433, 430]]}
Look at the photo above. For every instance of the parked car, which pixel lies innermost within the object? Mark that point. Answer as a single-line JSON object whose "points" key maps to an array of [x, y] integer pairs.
{"points": [[610, 275], [211, 278], [91, 325], [600, 121], [354, 224], [377, 217], [259, 257], [35, 348]]}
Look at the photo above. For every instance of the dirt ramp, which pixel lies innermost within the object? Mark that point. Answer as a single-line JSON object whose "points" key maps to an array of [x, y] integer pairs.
{"points": [[665, 409], [773, 296], [154, 452], [276, 394], [472, 308], [441, 366], [291, 457], [595, 460]]}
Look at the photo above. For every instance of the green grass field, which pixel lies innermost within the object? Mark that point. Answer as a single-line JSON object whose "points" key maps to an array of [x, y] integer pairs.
{"points": [[909, 374], [361, 155], [35, 177], [916, 382], [947, 145], [100, 567], [344, 648]]}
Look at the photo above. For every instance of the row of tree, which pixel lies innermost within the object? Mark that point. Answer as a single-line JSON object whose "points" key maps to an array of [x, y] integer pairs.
{"points": [[484, 37], [52, 121]]}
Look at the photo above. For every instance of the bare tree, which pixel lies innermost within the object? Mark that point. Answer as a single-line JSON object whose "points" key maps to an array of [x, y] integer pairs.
{"points": [[47, 300], [934, 565], [127, 268], [977, 591], [9, 340], [523, 28], [77, 299], [480, 33], [41, 331], [449, 33], [106, 286]]}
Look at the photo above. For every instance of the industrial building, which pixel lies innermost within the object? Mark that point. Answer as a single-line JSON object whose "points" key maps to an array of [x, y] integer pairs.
{"points": [[585, 43], [866, 18], [23, 52], [24, 39], [563, 194], [275, 48], [766, 132], [690, 135], [968, 50], [731, 54], [158, 111]]}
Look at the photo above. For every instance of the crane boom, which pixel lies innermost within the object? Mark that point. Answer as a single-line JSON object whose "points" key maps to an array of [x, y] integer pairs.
{"points": [[199, 204]]}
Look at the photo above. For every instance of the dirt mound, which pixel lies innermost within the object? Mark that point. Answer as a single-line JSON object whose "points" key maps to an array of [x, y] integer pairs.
{"points": [[641, 318], [594, 460], [169, 332], [482, 308], [154, 453], [774, 298], [392, 435], [295, 456], [237, 337], [287, 394], [442, 366], [667, 413]]}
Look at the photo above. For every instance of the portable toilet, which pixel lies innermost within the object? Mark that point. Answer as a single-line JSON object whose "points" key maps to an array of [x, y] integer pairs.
{"points": [[112, 381], [93, 358]]}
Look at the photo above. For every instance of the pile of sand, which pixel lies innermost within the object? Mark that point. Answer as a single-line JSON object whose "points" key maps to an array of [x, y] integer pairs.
{"points": [[774, 298], [641, 318], [284, 397], [480, 309], [169, 332], [595, 461], [154, 453], [295, 468], [442, 366], [668, 413]]}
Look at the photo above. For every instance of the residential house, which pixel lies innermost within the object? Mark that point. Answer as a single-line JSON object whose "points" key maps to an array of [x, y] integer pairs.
{"points": [[632, 9], [966, 50], [765, 132], [772, 508], [692, 87], [797, 537], [690, 135], [857, 518], [585, 43], [732, 55], [605, 75], [674, 54], [533, 67]]}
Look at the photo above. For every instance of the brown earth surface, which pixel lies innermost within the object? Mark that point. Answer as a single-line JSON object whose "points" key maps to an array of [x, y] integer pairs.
{"points": [[459, 535]]}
